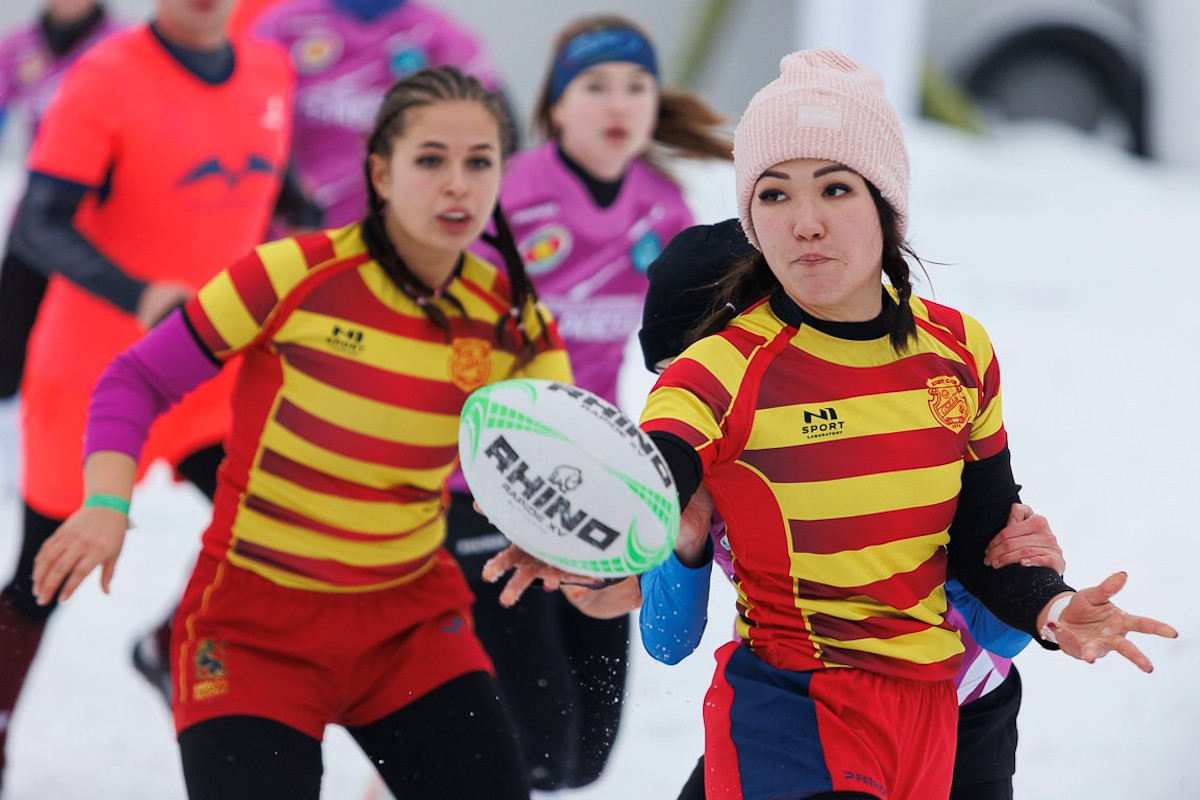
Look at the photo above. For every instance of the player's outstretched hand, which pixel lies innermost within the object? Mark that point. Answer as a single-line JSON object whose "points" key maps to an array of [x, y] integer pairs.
{"points": [[90, 538], [159, 299], [525, 570], [1090, 626], [1026, 540]]}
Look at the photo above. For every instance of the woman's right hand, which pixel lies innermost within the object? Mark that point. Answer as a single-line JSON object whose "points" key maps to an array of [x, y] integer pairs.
{"points": [[90, 538]]}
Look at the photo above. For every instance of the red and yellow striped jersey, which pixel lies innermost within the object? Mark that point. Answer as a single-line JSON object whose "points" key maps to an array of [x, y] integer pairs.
{"points": [[837, 465], [346, 409]]}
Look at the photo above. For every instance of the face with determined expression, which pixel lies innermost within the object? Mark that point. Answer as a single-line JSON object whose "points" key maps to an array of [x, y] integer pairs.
{"points": [[820, 233]]}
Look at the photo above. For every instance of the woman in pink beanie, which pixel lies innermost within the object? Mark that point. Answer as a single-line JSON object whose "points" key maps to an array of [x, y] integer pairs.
{"points": [[851, 437]]}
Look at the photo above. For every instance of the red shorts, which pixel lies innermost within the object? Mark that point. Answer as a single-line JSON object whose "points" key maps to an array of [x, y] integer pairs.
{"points": [[775, 733], [243, 645]]}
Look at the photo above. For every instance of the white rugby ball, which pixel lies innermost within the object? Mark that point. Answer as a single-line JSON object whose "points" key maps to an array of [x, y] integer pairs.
{"points": [[568, 477]]}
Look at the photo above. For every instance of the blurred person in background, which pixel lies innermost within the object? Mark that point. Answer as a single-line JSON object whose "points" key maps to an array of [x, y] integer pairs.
{"points": [[590, 208], [33, 59], [346, 54], [323, 594], [157, 162]]}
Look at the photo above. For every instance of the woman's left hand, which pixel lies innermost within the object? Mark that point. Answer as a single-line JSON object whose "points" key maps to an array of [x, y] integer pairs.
{"points": [[1091, 627], [525, 570]]}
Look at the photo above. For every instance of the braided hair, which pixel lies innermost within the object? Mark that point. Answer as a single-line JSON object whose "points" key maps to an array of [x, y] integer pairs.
{"points": [[750, 279], [425, 88]]}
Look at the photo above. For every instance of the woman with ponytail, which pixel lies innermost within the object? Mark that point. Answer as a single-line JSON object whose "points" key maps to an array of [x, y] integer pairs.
{"points": [[590, 208], [322, 594], [851, 437]]}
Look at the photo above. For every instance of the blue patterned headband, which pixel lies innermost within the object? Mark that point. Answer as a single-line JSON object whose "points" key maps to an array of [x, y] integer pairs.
{"points": [[598, 46]]}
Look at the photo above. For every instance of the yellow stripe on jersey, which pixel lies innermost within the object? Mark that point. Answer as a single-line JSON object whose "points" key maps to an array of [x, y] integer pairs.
{"points": [[225, 311], [869, 494], [284, 264], [365, 516], [927, 646], [377, 476], [261, 529], [773, 428], [370, 417], [866, 565]]}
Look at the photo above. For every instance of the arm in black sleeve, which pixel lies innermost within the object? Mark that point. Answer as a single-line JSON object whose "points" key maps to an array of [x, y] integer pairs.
{"points": [[294, 206], [1015, 594], [684, 463], [45, 236]]}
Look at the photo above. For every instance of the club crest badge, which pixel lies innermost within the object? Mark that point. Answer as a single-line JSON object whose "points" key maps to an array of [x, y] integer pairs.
{"points": [[948, 402], [210, 678], [470, 363]]}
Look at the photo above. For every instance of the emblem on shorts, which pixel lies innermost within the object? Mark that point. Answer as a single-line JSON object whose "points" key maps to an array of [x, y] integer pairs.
{"points": [[948, 402], [209, 676], [470, 363]]}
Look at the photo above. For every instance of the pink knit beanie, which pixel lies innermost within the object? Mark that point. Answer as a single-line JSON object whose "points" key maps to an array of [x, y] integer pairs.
{"points": [[822, 105]]}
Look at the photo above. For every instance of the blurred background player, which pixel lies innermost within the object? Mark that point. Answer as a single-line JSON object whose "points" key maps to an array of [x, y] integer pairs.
{"points": [[157, 163], [590, 208], [33, 60], [346, 54]]}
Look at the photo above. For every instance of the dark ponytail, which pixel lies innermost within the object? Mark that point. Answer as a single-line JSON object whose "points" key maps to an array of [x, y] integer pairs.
{"points": [[512, 322]]}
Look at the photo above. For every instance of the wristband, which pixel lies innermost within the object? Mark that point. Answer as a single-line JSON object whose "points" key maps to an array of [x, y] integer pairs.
{"points": [[1056, 610], [110, 501]]}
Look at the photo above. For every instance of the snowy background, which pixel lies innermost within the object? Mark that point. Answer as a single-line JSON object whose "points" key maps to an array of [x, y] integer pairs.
{"points": [[1082, 264]]}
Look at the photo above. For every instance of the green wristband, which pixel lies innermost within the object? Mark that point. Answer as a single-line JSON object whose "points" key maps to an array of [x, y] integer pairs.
{"points": [[112, 501]]}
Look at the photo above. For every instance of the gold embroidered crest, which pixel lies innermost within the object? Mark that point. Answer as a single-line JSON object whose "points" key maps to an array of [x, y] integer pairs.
{"points": [[948, 402], [209, 672], [470, 363]]}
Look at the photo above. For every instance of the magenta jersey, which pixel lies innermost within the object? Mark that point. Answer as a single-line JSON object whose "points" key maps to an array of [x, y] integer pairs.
{"points": [[589, 263], [344, 65], [30, 71]]}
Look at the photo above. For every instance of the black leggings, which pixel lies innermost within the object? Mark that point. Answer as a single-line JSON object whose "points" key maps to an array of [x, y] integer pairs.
{"points": [[561, 673], [200, 469], [455, 743], [21, 291]]}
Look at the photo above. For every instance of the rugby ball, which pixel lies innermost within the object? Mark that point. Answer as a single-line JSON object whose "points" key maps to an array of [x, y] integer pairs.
{"points": [[568, 477]]}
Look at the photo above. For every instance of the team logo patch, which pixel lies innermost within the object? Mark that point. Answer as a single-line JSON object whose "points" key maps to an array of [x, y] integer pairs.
{"points": [[231, 176], [948, 402], [316, 52], [406, 60], [545, 248], [470, 363], [645, 250], [209, 676], [348, 341]]}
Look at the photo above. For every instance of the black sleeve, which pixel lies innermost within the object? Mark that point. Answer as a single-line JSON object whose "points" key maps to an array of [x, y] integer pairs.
{"points": [[45, 236], [684, 463], [21, 291], [295, 207], [1015, 594]]}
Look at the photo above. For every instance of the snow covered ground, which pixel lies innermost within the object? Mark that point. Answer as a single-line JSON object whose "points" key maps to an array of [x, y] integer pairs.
{"points": [[1082, 265]]}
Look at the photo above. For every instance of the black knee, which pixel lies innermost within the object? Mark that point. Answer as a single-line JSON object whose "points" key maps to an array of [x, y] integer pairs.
{"points": [[231, 758], [455, 743]]}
